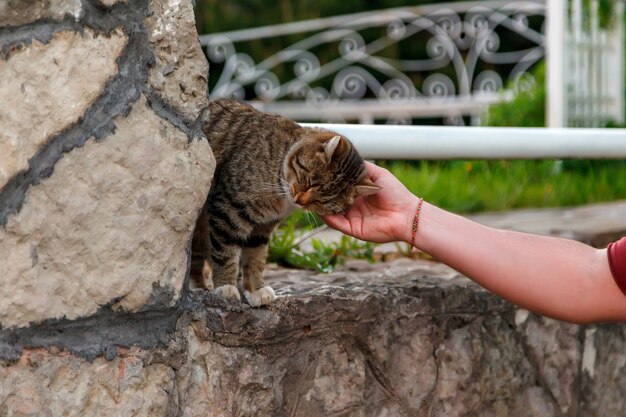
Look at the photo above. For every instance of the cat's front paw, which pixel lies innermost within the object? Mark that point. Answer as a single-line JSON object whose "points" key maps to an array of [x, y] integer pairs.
{"points": [[262, 296], [229, 292]]}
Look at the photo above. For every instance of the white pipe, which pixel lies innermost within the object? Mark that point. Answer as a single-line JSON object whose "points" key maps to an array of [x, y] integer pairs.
{"points": [[443, 142], [556, 79], [617, 82], [418, 107]]}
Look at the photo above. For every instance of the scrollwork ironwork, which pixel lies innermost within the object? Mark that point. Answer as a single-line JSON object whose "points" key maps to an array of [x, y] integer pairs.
{"points": [[463, 56]]}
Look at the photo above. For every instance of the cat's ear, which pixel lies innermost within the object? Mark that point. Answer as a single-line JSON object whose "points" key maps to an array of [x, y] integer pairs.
{"points": [[366, 187], [332, 146]]}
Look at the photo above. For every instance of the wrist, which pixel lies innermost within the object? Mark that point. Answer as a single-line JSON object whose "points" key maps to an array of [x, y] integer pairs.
{"points": [[421, 221], [405, 230], [416, 219]]}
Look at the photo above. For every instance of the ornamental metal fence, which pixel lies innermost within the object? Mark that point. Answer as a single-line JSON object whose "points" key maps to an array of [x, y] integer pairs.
{"points": [[461, 68], [340, 69]]}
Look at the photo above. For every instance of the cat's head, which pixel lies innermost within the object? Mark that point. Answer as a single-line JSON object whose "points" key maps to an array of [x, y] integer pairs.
{"points": [[325, 174]]}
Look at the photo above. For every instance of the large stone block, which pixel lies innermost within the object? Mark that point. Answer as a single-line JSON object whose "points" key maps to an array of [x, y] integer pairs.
{"points": [[49, 87], [401, 339], [111, 224], [51, 385], [100, 183], [96, 216]]}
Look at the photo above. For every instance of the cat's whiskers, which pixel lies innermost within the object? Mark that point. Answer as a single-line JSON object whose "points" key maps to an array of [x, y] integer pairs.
{"points": [[310, 217], [284, 184]]}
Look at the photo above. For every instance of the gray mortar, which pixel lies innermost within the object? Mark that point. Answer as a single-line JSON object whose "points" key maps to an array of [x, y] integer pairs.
{"points": [[101, 334], [98, 335], [153, 326], [165, 111], [99, 17], [12, 39], [195, 129], [119, 93]]}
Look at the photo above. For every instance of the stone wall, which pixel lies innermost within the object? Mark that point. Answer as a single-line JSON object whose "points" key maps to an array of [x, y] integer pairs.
{"points": [[400, 339], [103, 169], [102, 165]]}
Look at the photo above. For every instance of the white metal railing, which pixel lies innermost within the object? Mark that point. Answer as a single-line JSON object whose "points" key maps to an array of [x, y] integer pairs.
{"points": [[456, 75], [367, 110], [585, 64], [445, 142]]}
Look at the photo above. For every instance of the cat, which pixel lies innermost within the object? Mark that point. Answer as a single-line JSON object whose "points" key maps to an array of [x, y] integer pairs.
{"points": [[267, 166]]}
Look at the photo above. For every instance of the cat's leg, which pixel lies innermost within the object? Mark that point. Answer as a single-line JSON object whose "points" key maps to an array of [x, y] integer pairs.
{"points": [[226, 234], [225, 268], [254, 259], [200, 249]]}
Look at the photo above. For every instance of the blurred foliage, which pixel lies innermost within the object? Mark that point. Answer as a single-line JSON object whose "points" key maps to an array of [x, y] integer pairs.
{"points": [[285, 250], [605, 12], [527, 109], [219, 16], [472, 186]]}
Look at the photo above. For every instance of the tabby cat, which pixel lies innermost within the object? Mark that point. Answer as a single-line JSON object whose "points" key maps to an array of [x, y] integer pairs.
{"points": [[267, 165]]}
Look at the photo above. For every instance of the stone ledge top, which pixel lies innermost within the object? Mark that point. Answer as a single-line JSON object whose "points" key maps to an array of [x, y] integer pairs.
{"points": [[348, 302], [351, 298], [402, 272]]}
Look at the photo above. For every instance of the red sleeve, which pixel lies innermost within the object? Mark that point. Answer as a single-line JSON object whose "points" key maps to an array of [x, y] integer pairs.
{"points": [[617, 262]]}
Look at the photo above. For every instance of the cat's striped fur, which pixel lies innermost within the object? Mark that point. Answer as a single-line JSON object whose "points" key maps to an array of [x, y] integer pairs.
{"points": [[267, 165]]}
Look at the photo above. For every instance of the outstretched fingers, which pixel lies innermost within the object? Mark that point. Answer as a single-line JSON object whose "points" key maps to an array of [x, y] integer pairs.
{"points": [[338, 222], [346, 223]]}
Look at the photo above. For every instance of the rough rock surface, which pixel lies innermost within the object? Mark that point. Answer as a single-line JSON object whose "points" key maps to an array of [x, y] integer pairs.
{"points": [[48, 91], [181, 72], [406, 338], [102, 173], [47, 385], [21, 12], [114, 232]]}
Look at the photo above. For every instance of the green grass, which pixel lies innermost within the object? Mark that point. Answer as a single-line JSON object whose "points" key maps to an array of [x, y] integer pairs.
{"points": [[471, 186], [284, 247]]}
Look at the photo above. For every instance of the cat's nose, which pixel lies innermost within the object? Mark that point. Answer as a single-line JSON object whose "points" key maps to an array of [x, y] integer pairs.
{"points": [[303, 198]]}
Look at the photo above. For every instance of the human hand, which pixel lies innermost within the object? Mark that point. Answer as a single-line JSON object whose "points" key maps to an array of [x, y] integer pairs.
{"points": [[386, 216]]}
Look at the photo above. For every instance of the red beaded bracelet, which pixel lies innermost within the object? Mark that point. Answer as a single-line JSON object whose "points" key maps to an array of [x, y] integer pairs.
{"points": [[416, 220]]}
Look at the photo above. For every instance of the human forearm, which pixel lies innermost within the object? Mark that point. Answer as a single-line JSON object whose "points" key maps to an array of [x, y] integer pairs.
{"points": [[552, 276], [556, 277]]}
